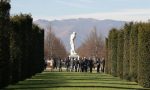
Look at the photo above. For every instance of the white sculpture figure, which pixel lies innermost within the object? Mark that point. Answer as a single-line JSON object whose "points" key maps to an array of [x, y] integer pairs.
{"points": [[72, 38]]}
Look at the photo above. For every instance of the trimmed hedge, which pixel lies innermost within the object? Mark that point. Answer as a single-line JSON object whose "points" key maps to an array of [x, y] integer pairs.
{"points": [[144, 55], [114, 42], [134, 52], [112, 52], [106, 56], [120, 51], [4, 44], [109, 53], [38, 53], [126, 58], [27, 50], [21, 47]]}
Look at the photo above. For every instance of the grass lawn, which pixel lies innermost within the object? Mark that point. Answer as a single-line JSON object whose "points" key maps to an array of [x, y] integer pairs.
{"points": [[74, 81]]}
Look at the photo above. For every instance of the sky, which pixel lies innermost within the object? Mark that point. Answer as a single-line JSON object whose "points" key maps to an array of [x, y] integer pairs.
{"points": [[125, 10]]}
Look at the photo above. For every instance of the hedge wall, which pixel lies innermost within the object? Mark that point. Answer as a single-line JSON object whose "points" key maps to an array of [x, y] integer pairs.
{"points": [[109, 52], [120, 51], [114, 42], [21, 47], [106, 56], [144, 55], [134, 52], [126, 58], [4, 44]]}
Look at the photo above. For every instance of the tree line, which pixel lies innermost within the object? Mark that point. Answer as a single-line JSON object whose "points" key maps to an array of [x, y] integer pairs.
{"points": [[21, 46], [128, 53], [92, 46], [54, 47]]}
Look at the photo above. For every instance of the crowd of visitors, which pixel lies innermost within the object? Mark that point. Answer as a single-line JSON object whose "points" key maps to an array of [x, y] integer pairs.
{"points": [[76, 64]]}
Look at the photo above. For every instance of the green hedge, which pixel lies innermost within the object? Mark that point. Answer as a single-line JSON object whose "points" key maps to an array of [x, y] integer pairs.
{"points": [[120, 51], [4, 44], [134, 52], [15, 51], [109, 52], [38, 53], [126, 58], [21, 47], [24, 28], [144, 55], [29, 41], [114, 42], [106, 56]]}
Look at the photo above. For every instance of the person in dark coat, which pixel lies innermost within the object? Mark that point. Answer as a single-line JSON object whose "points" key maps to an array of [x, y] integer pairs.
{"points": [[55, 63], [82, 65], [91, 64], [85, 64], [80, 60], [67, 63], [76, 63], [98, 65]]}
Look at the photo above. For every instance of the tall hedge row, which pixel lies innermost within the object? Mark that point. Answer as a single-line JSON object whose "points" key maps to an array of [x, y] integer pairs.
{"points": [[114, 42], [126, 57], [21, 47], [109, 51], [144, 55], [120, 51], [133, 53], [106, 56], [4, 43], [112, 52]]}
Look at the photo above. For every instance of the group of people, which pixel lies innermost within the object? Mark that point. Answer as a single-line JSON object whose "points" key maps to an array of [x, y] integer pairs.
{"points": [[84, 64], [77, 64]]}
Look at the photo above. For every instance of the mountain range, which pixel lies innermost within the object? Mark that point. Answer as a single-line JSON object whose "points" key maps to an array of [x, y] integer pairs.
{"points": [[63, 28]]}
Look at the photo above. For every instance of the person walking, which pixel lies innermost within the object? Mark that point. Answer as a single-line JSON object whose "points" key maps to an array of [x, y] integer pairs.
{"points": [[67, 63], [102, 64], [60, 65], [98, 65], [90, 64], [85, 64], [82, 65]]}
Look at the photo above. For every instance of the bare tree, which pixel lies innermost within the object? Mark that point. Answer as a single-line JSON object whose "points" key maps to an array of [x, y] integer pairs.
{"points": [[53, 46], [93, 46]]}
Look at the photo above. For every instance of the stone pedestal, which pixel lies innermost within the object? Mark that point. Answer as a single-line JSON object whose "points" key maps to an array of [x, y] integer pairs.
{"points": [[74, 56]]}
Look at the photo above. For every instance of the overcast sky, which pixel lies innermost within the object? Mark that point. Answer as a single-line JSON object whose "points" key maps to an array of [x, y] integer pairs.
{"points": [[128, 10]]}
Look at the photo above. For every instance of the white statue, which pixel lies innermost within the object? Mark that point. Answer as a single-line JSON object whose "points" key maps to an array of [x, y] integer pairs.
{"points": [[72, 38]]}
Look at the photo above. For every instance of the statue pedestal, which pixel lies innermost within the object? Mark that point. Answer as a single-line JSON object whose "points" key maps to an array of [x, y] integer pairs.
{"points": [[74, 56]]}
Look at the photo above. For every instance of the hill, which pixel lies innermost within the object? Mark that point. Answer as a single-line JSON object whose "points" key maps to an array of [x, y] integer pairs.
{"points": [[63, 28]]}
